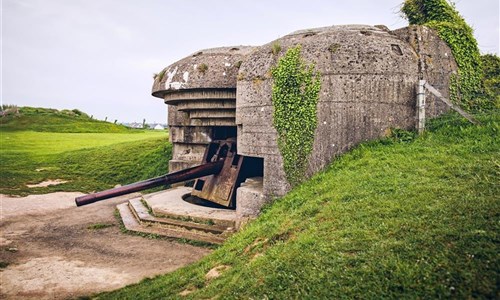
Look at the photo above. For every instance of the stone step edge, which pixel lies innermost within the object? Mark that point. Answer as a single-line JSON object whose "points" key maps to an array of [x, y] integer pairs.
{"points": [[132, 224], [142, 214], [198, 220]]}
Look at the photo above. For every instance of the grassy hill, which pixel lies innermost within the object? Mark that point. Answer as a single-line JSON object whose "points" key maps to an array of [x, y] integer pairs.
{"points": [[400, 218], [53, 120], [40, 144]]}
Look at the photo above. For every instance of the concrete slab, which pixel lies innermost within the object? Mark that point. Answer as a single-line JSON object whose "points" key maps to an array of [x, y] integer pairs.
{"points": [[170, 203], [142, 214], [250, 198], [132, 224]]}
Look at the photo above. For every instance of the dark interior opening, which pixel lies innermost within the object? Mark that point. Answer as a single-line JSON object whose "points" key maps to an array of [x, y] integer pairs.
{"points": [[252, 167], [236, 159], [199, 184], [223, 132]]}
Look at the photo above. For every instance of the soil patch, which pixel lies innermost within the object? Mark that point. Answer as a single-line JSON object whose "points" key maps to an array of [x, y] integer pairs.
{"points": [[47, 183], [57, 256]]}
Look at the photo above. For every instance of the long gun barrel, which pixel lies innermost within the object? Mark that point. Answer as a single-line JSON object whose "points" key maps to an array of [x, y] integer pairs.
{"points": [[179, 176]]}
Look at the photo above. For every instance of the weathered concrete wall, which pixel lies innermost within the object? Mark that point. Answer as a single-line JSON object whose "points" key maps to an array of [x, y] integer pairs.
{"points": [[215, 68], [200, 91], [250, 198], [368, 79], [435, 62], [368, 82]]}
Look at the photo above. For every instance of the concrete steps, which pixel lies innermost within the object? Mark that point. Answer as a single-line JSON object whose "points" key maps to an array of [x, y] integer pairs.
{"points": [[162, 214]]}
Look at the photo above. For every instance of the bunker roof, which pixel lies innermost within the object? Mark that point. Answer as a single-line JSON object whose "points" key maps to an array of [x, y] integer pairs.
{"points": [[344, 49], [214, 68]]}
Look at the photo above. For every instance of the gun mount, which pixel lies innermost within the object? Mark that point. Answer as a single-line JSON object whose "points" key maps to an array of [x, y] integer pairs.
{"points": [[217, 178], [179, 176]]}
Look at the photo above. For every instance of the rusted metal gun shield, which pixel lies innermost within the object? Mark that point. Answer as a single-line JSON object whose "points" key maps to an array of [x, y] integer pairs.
{"points": [[221, 188]]}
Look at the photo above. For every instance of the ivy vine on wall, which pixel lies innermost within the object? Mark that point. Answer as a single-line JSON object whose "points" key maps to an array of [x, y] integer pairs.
{"points": [[442, 16], [491, 80], [295, 94]]}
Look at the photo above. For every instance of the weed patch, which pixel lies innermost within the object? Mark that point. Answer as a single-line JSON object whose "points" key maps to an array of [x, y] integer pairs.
{"points": [[98, 226]]}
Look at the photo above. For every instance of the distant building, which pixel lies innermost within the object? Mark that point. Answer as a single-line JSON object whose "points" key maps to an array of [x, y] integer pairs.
{"points": [[133, 125], [159, 127]]}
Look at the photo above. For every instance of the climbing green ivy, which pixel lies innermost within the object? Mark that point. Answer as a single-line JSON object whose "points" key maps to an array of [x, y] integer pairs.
{"points": [[442, 16], [491, 81], [295, 94]]}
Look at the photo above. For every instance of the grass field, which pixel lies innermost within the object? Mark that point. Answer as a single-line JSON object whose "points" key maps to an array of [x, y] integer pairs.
{"points": [[401, 218], [47, 143], [52, 120], [106, 155]]}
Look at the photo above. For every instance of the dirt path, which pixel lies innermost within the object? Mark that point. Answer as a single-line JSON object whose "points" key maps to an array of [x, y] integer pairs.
{"points": [[52, 254]]}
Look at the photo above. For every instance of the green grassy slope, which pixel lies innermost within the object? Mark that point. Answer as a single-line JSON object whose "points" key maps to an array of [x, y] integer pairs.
{"points": [[390, 219], [52, 120], [87, 169], [95, 160]]}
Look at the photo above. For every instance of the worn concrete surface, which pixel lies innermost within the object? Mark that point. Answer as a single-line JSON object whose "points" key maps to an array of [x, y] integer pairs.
{"points": [[250, 198], [368, 81], [170, 203], [221, 67], [436, 63], [201, 93], [36, 204]]}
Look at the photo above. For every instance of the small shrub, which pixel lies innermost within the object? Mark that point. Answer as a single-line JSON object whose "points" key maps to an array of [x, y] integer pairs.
{"points": [[80, 113], [334, 47], [202, 68], [491, 81], [8, 109], [159, 76], [5, 107], [402, 136], [276, 48]]}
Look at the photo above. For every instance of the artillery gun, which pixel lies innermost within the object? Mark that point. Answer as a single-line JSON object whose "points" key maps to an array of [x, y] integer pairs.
{"points": [[216, 178]]}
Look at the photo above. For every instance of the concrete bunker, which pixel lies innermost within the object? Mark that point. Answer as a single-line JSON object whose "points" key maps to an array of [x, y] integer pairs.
{"points": [[368, 86], [368, 79], [220, 117]]}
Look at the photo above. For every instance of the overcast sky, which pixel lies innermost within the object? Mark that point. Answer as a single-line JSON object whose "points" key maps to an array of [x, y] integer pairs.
{"points": [[99, 56]]}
